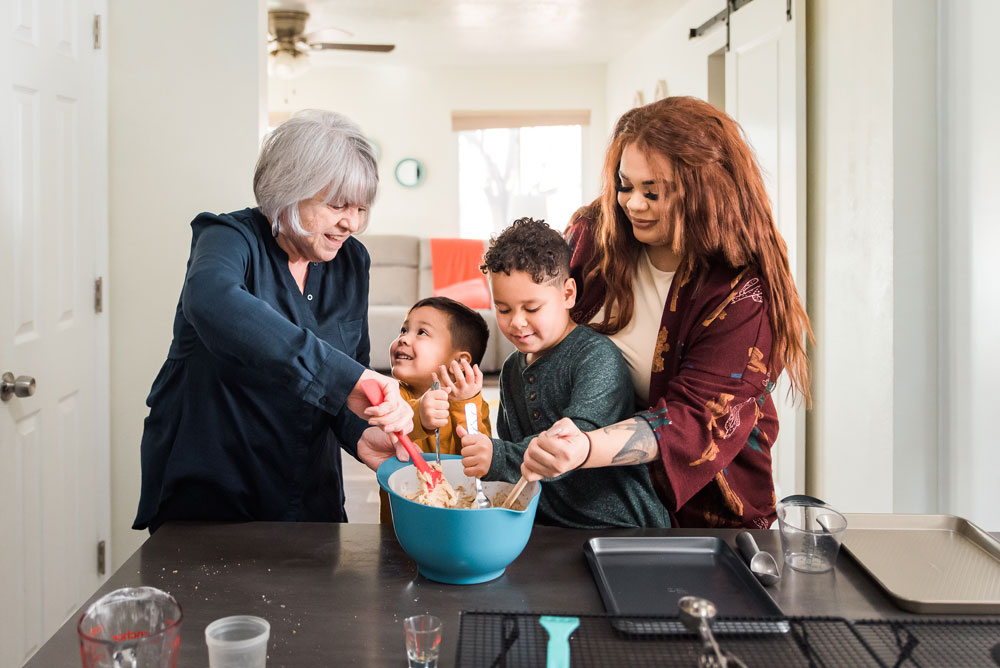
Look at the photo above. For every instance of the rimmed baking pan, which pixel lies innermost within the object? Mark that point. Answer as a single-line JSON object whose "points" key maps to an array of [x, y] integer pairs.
{"points": [[648, 575], [928, 563]]}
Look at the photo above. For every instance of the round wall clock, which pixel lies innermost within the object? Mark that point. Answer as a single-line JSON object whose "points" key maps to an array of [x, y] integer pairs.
{"points": [[410, 172]]}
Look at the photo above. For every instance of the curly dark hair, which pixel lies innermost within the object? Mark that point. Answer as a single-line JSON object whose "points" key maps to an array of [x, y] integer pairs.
{"points": [[530, 246], [468, 329]]}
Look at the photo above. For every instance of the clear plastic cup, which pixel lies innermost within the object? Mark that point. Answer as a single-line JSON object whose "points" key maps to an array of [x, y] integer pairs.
{"points": [[423, 640], [811, 534], [237, 642], [134, 626]]}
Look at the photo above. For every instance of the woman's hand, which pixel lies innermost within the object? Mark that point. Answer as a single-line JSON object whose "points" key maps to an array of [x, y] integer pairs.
{"points": [[376, 446], [392, 415], [559, 449], [477, 452], [433, 407], [464, 380]]}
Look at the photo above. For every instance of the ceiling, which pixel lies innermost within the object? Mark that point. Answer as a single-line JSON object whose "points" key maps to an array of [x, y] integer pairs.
{"points": [[483, 32]]}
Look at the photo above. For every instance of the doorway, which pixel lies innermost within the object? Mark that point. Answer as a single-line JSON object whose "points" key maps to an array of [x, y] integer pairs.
{"points": [[717, 79], [54, 443]]}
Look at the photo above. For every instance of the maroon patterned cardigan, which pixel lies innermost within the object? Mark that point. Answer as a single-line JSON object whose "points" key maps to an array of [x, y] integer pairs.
{"points": [[712, 411]]}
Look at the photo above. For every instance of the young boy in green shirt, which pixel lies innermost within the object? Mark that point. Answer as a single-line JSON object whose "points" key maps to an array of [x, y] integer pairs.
{"points": [[560, 369]]}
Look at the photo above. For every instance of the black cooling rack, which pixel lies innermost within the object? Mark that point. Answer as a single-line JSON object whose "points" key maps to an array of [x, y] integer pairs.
{"points": [[502, 640], [951, 642]]}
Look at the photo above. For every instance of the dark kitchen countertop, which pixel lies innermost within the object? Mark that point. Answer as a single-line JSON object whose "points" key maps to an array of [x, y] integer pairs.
{"points": [[336, 594]]}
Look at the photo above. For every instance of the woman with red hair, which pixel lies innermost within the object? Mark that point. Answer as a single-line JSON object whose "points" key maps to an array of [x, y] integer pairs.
{"points": [[679, 262]]}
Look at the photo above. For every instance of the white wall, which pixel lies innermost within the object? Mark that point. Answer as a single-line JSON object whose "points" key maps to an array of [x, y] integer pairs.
{"points": [[850, 260], [903, 203], [970, 239], [666, 53], [185, 101], [407, 111], [915, 252]]}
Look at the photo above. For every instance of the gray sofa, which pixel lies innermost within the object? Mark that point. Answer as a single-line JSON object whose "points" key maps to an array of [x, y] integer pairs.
{"points": [[401, 275]]}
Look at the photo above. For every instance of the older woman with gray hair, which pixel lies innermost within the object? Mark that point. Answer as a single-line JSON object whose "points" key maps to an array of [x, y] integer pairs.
{"points": [[261, 386]]}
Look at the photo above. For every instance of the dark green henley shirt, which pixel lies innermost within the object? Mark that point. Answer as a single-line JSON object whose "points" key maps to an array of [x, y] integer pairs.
{"points": [[584, 378]]}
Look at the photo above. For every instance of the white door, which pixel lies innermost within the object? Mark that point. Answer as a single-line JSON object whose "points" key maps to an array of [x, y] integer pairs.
{"points": [[766, 93], [54, 451]]}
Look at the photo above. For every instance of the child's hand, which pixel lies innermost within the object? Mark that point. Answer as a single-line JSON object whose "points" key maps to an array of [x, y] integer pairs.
{"points": [[477, 452], [433, 408], [464, 380]]}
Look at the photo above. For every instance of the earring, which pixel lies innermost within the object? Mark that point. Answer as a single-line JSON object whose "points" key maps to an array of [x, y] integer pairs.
{"points": [[277, 227]]}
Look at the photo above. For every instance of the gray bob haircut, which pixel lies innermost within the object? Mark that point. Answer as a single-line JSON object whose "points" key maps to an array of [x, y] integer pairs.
{"points": [[312, 151]]}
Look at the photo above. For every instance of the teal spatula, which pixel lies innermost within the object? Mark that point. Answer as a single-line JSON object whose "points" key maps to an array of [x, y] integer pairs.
{"points": [[560, 629]]}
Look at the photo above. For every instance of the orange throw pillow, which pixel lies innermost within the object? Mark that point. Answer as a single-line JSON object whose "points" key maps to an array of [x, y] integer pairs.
{"points": [[473, 292]]}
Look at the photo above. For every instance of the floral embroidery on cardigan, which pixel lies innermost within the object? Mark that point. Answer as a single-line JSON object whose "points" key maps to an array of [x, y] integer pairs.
{"points": [[708, 455], [661, 349], [719, 311], [729, 497], [733, 421], [681, 279], [757, 435], [756, 356], [718, 408], [751, 290]]}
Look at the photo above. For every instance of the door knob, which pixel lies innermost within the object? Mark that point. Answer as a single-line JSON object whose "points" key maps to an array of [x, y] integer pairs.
{"points": [[22, 386]]}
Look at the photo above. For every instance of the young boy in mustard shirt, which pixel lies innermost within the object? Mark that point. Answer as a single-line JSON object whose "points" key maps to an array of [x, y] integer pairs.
{"points": [[442, 341]]}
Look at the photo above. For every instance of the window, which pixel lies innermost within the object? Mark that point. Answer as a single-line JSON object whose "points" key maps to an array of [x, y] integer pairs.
{"points": [[526, 165]]}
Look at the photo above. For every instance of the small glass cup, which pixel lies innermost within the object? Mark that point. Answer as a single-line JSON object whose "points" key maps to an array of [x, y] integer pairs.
{"points": [[133, 626], [811, 534], [423, 640], [239, 641]]}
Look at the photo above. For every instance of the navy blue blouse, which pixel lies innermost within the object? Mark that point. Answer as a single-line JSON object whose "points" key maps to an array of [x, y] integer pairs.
{"points": [[248, 412]]}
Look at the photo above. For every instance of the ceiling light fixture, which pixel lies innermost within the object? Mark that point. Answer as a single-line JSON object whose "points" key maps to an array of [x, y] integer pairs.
{"points": [[287, 64]]}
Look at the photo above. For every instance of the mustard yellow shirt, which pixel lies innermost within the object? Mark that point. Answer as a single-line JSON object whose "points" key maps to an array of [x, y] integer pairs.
{"points": [[450, 443]]}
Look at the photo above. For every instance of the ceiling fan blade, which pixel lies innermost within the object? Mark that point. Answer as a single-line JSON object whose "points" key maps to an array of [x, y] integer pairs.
{"points": [[328, 34], [347, 46]]}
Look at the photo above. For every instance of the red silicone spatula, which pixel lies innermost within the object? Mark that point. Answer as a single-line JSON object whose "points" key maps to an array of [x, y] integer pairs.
{"points": [[374, 394]]}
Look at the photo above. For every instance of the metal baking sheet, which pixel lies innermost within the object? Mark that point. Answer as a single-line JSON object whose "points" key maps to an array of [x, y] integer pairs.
{"points": [[648, 575], [928, 563]]}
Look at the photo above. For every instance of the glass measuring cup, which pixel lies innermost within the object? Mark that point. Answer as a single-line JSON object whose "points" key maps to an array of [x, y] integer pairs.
{"points": [[811, 533], [131, 627]]}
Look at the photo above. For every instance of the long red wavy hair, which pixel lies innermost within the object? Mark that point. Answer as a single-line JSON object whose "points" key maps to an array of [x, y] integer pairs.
{"points": [[725, 217]]}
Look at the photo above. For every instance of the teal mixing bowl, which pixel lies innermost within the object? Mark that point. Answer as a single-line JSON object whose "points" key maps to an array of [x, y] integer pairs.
{"points": [[457, 545]]}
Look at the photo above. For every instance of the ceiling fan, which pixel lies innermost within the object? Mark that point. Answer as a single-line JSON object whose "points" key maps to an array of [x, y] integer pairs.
{"points": [[289, 45]]}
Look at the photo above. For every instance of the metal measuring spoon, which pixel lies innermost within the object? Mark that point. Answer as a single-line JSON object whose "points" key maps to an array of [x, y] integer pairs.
{"points": [[829, 523], [762, 564], [472, 426], [697, 614], [437, 432]]}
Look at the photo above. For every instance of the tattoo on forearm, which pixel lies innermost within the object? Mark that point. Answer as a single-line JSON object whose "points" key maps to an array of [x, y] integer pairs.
{"points": [[640, 442]]}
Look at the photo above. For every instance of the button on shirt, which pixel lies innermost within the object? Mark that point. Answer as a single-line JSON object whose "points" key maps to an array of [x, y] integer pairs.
{"points": [[249, 407]]}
